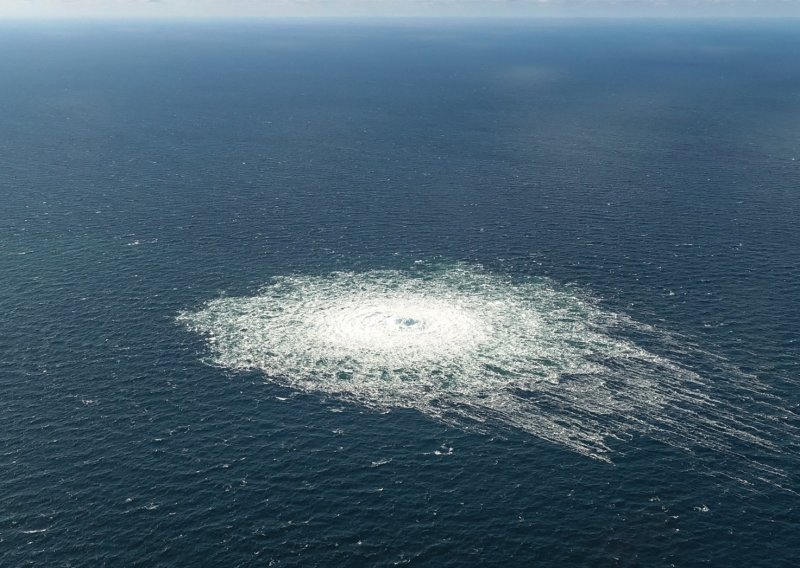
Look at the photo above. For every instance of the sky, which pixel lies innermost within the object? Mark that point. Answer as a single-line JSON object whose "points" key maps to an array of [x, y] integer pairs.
{"points": [[386, 8]]}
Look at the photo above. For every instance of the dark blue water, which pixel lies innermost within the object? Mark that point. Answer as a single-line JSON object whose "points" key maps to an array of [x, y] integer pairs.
{"points": [[148, 168]]}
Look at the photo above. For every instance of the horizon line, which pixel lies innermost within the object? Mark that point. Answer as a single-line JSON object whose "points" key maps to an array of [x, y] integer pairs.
{"points": [[388, 17]]}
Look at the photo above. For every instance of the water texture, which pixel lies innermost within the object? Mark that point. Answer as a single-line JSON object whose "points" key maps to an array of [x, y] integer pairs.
{"points": [[410, 293]]}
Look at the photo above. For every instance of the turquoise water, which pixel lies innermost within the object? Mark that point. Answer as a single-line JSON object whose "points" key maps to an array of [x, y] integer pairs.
{"points": [[436, 294]]}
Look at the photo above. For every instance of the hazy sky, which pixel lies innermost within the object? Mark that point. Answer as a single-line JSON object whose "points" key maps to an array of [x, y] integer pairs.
{"points": [[349, 8]]}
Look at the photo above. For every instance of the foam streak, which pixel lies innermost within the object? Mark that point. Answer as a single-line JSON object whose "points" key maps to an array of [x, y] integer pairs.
{"points": [[481, 351]]}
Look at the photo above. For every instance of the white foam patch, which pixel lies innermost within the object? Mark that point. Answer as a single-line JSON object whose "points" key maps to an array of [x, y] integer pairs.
{"points": [[483, 351]]}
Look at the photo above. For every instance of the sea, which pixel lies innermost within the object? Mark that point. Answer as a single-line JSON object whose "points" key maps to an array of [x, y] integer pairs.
{"points": [[400, 292]]}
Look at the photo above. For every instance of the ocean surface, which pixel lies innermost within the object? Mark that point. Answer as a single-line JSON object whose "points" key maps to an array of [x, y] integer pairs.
{"points": [[413, 293]]}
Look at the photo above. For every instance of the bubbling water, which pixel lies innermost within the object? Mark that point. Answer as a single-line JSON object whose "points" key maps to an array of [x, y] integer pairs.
{"points": [[481, 351], [405, 326]]}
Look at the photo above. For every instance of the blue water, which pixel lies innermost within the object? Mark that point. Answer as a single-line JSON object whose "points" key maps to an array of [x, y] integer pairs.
{"points": [[149, 168]]}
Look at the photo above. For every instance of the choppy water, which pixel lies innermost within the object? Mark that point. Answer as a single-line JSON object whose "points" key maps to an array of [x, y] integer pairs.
{"points": [[429, 294]]}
